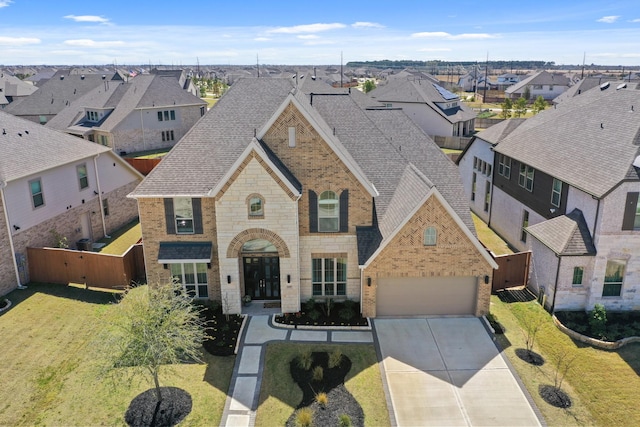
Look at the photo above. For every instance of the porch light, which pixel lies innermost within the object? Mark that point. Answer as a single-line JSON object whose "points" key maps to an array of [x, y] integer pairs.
{"points": [[288, 278], [228, 279], [486, 280], [368, 281]]}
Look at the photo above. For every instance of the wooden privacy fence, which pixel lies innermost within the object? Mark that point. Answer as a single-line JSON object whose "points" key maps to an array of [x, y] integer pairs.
{"points": [[513, 271], [64, 266], [144, 166]]}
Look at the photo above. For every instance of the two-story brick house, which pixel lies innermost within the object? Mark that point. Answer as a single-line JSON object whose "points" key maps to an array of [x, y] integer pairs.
{"points": [[286, 193]]}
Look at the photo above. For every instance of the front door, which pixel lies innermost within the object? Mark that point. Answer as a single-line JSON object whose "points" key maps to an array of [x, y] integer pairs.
{"points": [[262, 277]]}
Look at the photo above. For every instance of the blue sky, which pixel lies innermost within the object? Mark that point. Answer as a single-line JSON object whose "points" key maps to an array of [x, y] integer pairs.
{"points": [[316, 32]]}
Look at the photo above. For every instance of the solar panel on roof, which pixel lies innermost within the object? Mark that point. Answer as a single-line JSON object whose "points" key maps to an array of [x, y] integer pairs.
{"points": [[445, 93]]}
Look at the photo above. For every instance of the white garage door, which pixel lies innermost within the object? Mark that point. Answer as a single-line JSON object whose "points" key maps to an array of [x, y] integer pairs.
{"points": [[419, 296]]}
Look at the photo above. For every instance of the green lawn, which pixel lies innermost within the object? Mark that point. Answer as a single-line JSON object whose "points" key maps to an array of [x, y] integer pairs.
{"points": [[489, 238], [603, 384], [121, 240], [49, 374], [279, 394]]}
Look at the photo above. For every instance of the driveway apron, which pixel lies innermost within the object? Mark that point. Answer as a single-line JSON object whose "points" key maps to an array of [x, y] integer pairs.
{"points": [[447, 371]]}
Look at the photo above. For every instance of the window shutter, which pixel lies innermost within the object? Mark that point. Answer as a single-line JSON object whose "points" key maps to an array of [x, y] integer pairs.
{"points": [[170, 218], [196, 204], [313, 212], [344, 211], [630, 211]]}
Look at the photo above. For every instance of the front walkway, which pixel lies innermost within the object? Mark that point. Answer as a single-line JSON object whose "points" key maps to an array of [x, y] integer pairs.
{"points": [[244, 391]]}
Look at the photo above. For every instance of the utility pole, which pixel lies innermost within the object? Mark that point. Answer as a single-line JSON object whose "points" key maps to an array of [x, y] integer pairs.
{"points": [[258, 64], [584, 57], [486, 76], [340, 68]]}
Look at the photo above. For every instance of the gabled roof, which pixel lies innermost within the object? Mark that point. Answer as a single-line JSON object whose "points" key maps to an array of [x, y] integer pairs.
{"points": [[29, 148], [493, 135], [578, 88], [565, 234], [589, 141], [13, 86], [422, 92], [541, 78]]}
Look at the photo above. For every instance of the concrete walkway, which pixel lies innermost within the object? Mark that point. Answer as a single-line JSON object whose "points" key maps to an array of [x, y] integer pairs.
{"points": [[244, 390]]}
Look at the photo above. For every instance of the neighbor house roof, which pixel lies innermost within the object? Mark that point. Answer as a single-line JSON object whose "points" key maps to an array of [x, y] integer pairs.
{"points": [[589, 141], [541, 78], [578, 88], [565, 234]]}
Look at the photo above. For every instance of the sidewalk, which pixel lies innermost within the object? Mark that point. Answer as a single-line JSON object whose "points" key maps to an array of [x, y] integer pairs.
{"points": [[244, 391]]}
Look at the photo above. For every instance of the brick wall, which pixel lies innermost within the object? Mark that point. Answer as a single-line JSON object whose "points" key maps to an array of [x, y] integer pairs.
{"points": [[7, 269], [406, 256]]}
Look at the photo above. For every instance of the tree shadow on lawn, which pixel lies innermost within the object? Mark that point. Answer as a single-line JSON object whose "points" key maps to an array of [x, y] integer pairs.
{"points": [[91, 295], [630, 353]]}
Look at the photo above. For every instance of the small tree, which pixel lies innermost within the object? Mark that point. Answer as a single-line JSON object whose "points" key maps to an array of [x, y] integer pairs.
{"points": [[562, 362], [368, 86], [539, 105], [507, 106], [520, 108], [527, 93], [531, 328], [152, 327]]}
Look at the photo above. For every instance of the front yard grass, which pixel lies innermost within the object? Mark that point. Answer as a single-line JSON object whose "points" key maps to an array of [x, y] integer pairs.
{"points": [[603, 385], [280, 395], [49, 369]]}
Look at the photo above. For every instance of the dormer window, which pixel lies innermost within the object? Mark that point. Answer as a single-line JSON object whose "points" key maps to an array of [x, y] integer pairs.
{"points": [[92, 116]]}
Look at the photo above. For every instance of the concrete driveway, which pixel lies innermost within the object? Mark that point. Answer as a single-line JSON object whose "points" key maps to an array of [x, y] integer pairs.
{"points": [[448, 372]]}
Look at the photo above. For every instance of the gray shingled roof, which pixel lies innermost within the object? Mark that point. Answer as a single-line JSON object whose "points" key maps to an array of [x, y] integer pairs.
{"points": [[589, 141], [496, 133], [171, 251], [565, 234], [541, 78], [28, 148], [578, 88]]}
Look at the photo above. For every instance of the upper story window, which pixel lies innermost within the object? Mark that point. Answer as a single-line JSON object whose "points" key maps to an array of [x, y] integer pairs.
{"points": [[525, 180], [328, 212], [202, 111], [430, 236], [504, 166], [35, 186], [83, 179], [183, 212], [166, 115], [92, 116], [556, 192], [613, 278], [256, 206], [292, 136], [537, 87], [104, 140]]}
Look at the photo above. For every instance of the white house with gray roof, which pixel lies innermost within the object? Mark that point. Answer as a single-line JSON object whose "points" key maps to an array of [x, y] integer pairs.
{"points": [[53, 184], [566, 185], [149, 112], [545, 84]]}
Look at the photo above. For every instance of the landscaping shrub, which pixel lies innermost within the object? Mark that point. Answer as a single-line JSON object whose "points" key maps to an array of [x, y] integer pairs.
{"points": [[318, 373], [304, 417], [314, 314], [598, 321], [335, 358], [345, 420], [310, 305], [322, 399], [305, 359]]}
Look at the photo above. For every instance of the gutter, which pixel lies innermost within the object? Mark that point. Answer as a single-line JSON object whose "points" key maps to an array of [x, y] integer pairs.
{"points": [[3, 184]]}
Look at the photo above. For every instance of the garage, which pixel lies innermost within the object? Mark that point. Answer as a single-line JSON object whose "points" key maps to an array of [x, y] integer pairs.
{"points": [[421, 296]]}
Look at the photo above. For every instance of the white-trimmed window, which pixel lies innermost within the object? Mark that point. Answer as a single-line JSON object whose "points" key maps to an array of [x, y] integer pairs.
{"points": [[35, 187], [167, 135], [104, 140], [525, 179], [430, 236], [83, 179], [328, 212], [329, 276], [504, 166], [193, 276], [183, 211], [636, 222], [256, 206], [166, 115], [613, 278], [556, 192], [578, 273], [292, 136]]}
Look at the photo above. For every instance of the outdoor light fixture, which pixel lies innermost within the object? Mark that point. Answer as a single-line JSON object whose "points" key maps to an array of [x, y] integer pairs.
{"points": [[16, 227], [288, 278], [368, 281], [228, 279], [486, 280]]}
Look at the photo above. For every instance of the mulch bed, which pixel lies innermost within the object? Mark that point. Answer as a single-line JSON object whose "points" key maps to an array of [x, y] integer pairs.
{"points": [[316, 314], [339, 400], [530, 357], [619, 324], [145, 410], [554, 396], [221, 332], [4, 303]]}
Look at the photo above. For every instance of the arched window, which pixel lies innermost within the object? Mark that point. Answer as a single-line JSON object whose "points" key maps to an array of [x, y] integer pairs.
{"points": [[328, 212], [255, 205], [430, 236]]}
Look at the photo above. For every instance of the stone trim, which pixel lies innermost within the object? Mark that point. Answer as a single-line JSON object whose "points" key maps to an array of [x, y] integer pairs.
{"points": [[329, 255], [235, 247], [606, 345]]}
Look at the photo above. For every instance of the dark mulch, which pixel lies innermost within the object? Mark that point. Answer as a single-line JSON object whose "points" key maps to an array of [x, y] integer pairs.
{"points": [[497, 326], [3, 303], [145, 410], [221, 331], [317, 314], [339, 400], [554, 396], [619, 324], [530, 357]]}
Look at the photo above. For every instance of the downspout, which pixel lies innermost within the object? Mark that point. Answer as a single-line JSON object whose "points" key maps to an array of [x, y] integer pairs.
{"points": [[101, 207], [3, 184], [144, 144], [298, 244], [555, 286], [361, 287], [595, 222]]}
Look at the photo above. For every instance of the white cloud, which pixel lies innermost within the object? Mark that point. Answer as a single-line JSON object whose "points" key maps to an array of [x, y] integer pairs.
{"points": [[5, 3], [19, 41], [609, 19], [311, 28], [87, 18], [635, 20], [93, 43], [262, 39], [366, 25], [434, 49], [447, 36], [307, 36]]}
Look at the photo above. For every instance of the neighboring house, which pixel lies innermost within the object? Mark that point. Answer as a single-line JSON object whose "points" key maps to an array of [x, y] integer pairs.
{"points": [[58, 93], [566, 185], [13, 89], [53, 183], [503, 81], [149, 112], [434, 109], [284, 194], [476, 166], [543, 84]]}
